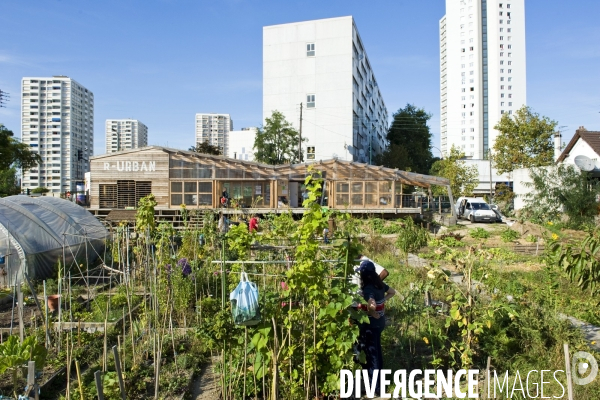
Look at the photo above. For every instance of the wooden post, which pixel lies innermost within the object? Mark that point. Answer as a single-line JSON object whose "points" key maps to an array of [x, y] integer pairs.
{"points": [[98, 377], [46, 313], [20, 314], [31, 379], [487, 377], [568, 371], [79, 379], [118, 368]]}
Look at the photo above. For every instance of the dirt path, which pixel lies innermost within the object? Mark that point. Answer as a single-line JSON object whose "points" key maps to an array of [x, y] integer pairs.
{"points": [[206, 384]]}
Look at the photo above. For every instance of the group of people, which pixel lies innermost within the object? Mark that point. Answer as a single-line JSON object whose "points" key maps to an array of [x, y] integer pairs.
{"points": [[224, 223], [369, 278]]}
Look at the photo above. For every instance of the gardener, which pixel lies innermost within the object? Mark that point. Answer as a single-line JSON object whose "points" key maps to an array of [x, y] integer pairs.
{"points": [[253, 224], [225, 198], [375, 293], [382, 272], [223, 226]]}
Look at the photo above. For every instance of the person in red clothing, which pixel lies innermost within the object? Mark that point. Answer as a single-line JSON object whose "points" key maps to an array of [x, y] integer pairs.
{"points": [[253, 224]]}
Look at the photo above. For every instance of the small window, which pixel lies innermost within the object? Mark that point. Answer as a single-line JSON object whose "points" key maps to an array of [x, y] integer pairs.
{"points": [[508, 6], [310, 101], [472, 89], [310, 49]]}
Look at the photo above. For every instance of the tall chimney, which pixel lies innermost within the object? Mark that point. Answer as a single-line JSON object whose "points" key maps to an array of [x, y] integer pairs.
{"points": [[557, 145]]}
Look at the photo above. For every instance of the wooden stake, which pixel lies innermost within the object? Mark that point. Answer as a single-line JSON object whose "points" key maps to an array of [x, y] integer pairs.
{"points": [[31, 379], [118, 368], [79, 379], [46, 319], [568, 371], [487, 378], [98, 377], [20, 314]]}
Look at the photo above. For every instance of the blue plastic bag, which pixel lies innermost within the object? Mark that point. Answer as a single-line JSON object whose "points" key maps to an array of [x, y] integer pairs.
{"points": [[244, 302]]}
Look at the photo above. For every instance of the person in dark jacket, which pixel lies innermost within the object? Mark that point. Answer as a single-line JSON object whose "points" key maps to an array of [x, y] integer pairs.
{"points": [[375, 293]]}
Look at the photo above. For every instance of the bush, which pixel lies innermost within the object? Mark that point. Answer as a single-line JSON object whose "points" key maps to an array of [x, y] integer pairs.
{"points": [[509, 235], [479, 233]]}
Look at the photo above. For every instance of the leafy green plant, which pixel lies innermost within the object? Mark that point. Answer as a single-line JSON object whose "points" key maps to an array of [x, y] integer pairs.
{"points": [[14, 355], [561, 190], [479, 233], [447, 241], [531, 238], [509, 235], [580, 260], [144, 218], [411, 238]]}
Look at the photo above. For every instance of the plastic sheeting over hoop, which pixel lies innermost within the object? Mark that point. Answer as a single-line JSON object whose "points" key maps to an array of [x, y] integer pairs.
{"points": [[34, 230]]}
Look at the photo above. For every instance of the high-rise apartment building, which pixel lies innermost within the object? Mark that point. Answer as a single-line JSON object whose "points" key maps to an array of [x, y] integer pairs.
{"points": [[57, 122], [125, 134], [323, 66], [214, 129], [482, 71]]}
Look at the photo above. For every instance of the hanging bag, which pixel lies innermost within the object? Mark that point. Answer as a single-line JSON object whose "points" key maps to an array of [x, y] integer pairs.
{"points": [[244, 302]]}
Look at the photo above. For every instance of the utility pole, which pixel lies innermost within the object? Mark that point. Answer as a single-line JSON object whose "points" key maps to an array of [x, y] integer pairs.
{"points": [[300, 137], [490, 158]]}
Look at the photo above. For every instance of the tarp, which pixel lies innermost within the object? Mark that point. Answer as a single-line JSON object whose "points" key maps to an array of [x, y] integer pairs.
{"points": [[35, 233]]}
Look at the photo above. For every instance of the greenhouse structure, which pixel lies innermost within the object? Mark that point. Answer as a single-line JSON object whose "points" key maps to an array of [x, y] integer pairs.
{"points": [[38, 232]]}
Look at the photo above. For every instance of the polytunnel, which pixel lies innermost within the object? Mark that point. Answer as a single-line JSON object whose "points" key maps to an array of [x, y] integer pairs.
{"points": [[37, 232]]}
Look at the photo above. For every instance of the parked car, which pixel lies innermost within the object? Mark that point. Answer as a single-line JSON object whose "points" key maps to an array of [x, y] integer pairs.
{"points": [[475, 210]]}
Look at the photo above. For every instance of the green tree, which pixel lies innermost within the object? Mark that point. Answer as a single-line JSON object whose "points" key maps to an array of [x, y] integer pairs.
{"points": [[277, 142], [409, 141], [8, 182], [558, 190], [525, 141], [13, 155], [463, 178], [206, 148]]}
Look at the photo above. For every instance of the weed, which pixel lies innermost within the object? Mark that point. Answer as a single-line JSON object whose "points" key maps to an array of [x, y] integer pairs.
{"points": [[509, 235], [479, 233]]}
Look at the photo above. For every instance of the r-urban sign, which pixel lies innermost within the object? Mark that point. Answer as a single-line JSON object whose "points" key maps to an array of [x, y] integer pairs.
{"points": [[131, 166]]}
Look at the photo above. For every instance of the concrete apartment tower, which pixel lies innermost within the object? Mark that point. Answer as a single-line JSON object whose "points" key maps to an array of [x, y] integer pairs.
{"points": [[214, 129], [482, 71], [125, 134], [323, 66], [57, 121]]}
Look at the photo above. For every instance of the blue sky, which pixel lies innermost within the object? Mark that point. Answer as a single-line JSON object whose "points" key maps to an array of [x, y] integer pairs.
{"points": [[163, 61]]}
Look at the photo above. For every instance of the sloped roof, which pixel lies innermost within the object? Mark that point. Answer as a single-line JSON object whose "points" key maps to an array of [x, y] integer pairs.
{"points": [[332, 167], [590, 137]]}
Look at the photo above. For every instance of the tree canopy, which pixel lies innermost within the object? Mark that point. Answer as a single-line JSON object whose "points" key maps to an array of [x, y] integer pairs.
{"points": [[13, 153], [277, 142], [206, 148], [524, 141], [463, 179], [409, 140]]}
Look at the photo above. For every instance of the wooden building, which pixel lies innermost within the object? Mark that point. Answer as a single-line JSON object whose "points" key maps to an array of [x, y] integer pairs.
{"points": [[177, 177]]}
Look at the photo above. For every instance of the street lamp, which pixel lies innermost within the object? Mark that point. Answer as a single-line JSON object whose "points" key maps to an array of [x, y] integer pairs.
{"points": [[441, 154]]}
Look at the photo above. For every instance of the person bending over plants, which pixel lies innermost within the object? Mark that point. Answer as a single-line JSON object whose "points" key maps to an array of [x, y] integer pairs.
{"points": [[376, 293]]}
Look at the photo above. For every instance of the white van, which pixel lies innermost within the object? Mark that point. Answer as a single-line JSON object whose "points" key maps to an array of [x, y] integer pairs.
{"points": [[474, 209]]}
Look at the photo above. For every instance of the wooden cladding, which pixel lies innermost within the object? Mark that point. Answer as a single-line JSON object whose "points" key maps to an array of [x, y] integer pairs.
{"points": [[108, 196], [125, 194]]}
